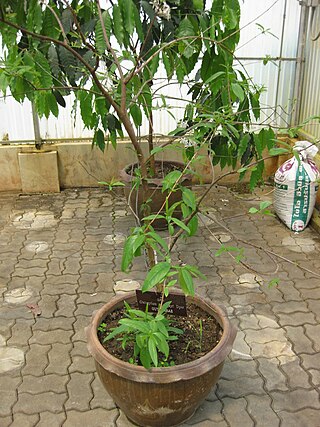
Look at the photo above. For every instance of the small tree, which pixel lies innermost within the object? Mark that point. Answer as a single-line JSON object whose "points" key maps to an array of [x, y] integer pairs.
{"points": [[108, 57]]}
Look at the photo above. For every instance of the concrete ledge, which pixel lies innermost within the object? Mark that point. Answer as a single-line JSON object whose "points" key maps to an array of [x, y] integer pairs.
{"points": [[39, 172], [80, 165], [74, 164]]}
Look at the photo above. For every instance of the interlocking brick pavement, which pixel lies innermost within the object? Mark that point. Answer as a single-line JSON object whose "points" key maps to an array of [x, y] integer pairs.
{"points": [[57, 251]]}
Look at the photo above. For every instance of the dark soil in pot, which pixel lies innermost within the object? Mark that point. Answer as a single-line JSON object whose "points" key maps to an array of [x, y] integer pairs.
{"points": [[201, 334], [161, 169]]}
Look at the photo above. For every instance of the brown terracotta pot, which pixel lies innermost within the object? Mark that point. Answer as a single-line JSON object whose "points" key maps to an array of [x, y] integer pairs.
{"points": [[159, 397], [137, 198]]}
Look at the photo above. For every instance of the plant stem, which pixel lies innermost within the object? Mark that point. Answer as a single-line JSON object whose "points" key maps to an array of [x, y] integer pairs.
{"points": [[151, 160]]}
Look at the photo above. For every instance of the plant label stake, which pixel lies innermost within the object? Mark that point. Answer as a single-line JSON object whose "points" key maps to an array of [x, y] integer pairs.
{"points": [[178, 305]]}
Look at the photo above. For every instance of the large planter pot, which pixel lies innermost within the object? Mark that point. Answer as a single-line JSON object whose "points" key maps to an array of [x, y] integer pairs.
{"points": [[154, 196], [159, 397]]}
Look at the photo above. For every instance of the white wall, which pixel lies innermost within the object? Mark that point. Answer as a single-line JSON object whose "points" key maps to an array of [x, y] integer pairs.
{"points": [[16, 120], [310, 99]]}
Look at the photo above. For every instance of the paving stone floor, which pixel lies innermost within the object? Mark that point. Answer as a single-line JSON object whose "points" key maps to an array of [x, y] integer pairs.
{"points": [[60, 254]]}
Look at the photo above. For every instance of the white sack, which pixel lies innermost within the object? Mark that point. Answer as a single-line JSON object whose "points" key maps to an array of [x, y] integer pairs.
{"points": [[296, 186]]}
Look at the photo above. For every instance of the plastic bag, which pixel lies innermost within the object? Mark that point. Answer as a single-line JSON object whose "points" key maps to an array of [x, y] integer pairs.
{"points": [[296, 186]]}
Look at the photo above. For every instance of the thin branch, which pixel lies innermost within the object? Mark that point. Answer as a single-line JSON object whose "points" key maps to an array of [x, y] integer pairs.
{"points": [[270, 253], [247, 266]]}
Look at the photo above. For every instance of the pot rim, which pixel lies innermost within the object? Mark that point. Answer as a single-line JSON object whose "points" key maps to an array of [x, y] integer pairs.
{"points": [[153, 181], [169, 374]]}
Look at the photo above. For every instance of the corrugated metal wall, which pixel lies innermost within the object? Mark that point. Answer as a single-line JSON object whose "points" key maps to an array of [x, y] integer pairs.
{"points": [[310, 101], [269, 28]]}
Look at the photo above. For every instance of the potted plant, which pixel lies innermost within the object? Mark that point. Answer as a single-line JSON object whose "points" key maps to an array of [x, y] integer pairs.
{"points": [[109, 58]]}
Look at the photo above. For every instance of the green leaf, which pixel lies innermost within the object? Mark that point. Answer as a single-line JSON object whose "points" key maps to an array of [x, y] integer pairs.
{"points": [[19, 88], [253, 210], [170, 180], [68, 62], [66, 20], [39, 100], [43, 69], [135, 324], [163, 309], [255, 104], [4, 81], [162, 343], [198, 4], [213, 21], [138, 24], [231, 14], [278, 151], [152, 217], [85, 99], [185, 28], [118, 25], [127, 8], [242, 170], [136, 115], [186, 47], [189, 198], [116, 331], [101, 106], [156, 275], [206, 66], [98, 139], [168, 62], [157, 150], [59, 98], [100, 39], [185, 210], [265, 204], [193, 225], [238, 91], [153, 351], [138, 242], [170, 209], [243, 144], [186, 281], [112, 183], [145, 358], [297, 156], [54, 61], [34, 18], [159, 240], [273, 282], [181, 70], [50, 26], [154, 64], [224, 249], [37, 18], [181, 224], [113, 138], [127, 255], [256, 175], [258, 144], [145, 99], [52, 103], [215, 76], [195, 271]]}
